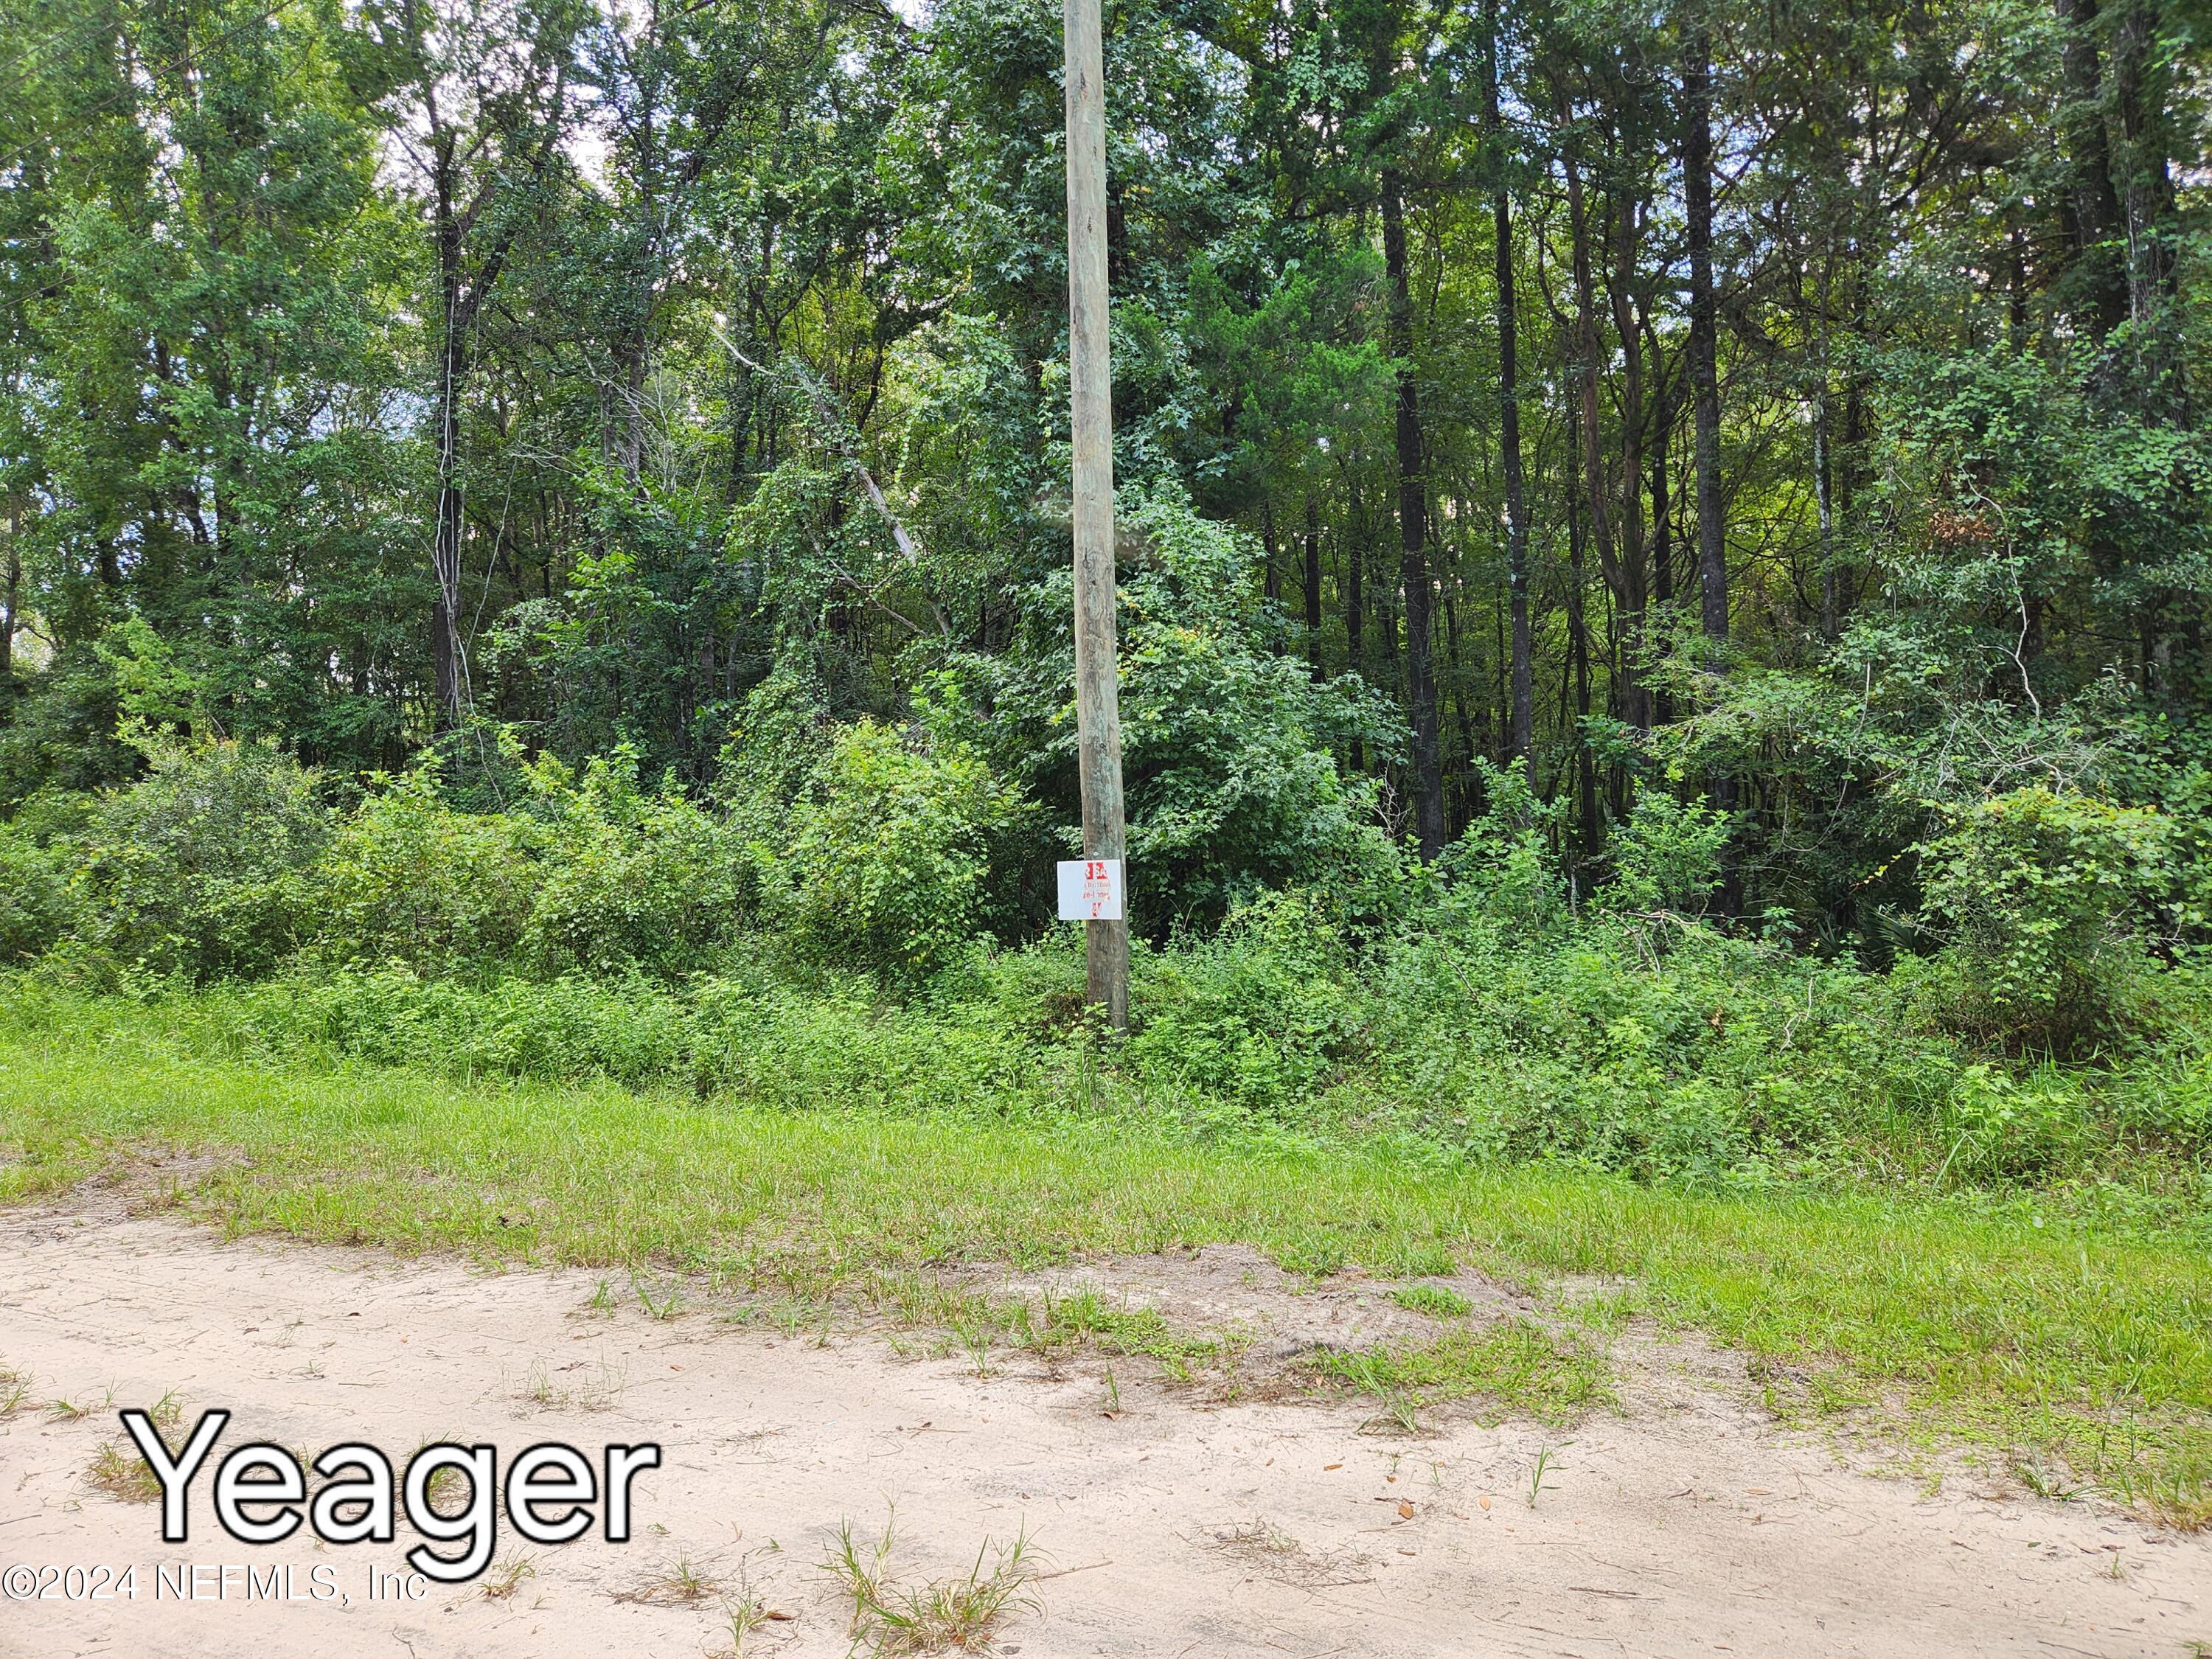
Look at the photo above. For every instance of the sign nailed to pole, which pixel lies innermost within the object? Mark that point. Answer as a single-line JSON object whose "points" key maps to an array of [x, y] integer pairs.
{"points": [[1091, 890]]}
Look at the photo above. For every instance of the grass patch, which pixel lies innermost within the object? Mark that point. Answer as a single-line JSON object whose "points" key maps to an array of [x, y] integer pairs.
{"points": [[124, 1475], [684, 1584], [2090, 1351], [742, 1614], [1514, 1365], [1437, 1300], [937, 1616], [1086, 1320], [507, 1576]]}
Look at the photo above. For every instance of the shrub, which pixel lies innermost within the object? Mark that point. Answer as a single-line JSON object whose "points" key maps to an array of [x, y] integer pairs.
{"points": [[195, 868], [1229, 744], [2042, 892], [631, 881], [33, 895], [2187, 800], [882, 866], [60, 731], [1505, 862], [777, 739], [1263, 1017], [1667, 856], [2166, 1097], [829, 1049], [2003, 1127], [2163, 1090], [1705, 1061], [409, 879], [568, 1028]]}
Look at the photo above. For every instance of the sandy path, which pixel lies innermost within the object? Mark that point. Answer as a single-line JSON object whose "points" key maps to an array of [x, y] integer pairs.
{"points": [[1179, 1529]]}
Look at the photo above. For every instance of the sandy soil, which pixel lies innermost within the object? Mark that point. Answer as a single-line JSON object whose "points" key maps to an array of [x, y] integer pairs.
{"points": [[1175, 1526]]}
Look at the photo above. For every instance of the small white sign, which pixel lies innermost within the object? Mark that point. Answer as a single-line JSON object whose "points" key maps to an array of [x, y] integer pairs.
{"points": [[1091, 890]]}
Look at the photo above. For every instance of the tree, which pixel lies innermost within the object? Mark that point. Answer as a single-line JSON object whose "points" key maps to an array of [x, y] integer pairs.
{"points": [[477, 95]]}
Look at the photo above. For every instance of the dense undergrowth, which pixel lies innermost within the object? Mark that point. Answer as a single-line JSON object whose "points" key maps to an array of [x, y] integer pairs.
{"points": [[594, 929]]}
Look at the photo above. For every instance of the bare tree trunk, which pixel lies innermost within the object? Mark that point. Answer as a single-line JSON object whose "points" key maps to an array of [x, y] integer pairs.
{"points": [[1663, 552], [1703, 342], [11, 597], [1355, 609], [1413, 535], [1705, 392], [1824, 469], [2090, 211], [1578, 649], [447, 670], [1521, 722], [1271, 576], [1312, 573], [1636, 578]]}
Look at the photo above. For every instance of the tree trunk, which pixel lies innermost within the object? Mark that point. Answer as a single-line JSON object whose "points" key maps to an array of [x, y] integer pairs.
{"points": [[1636, 578], [2143, 184], [2016, 287], [2089, 212], [1705, 395], [1313, 585], [1522, 721], [1587, 348], [1355, 609], [448, 671], [1663, 552], [1270, 579], [11, 599], [1703, 342], [1824, 471], [1460, 716], [1500, 654], [625, 443], [1578, 649], [1413, 535], [463, 284]]}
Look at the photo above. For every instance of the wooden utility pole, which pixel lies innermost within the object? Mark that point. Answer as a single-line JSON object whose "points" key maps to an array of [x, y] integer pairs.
{"points": [[1091, 376]]}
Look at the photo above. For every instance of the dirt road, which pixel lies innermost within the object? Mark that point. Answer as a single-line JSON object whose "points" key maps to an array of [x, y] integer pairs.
{"points": [[1171, 1527]]}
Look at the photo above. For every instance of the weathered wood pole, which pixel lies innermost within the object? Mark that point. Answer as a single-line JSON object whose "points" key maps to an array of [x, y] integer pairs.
{"points": [[1091, 376]]}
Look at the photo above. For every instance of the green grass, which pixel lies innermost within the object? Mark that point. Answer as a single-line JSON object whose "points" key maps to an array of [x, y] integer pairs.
{"points": [[1434, 1300], [1552, 1376], [1084, 1319], [938, 1616], [2092, 1352]]}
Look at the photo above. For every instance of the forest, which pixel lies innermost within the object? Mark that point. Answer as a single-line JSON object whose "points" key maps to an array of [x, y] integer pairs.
{"points": [[1664, 564]]}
